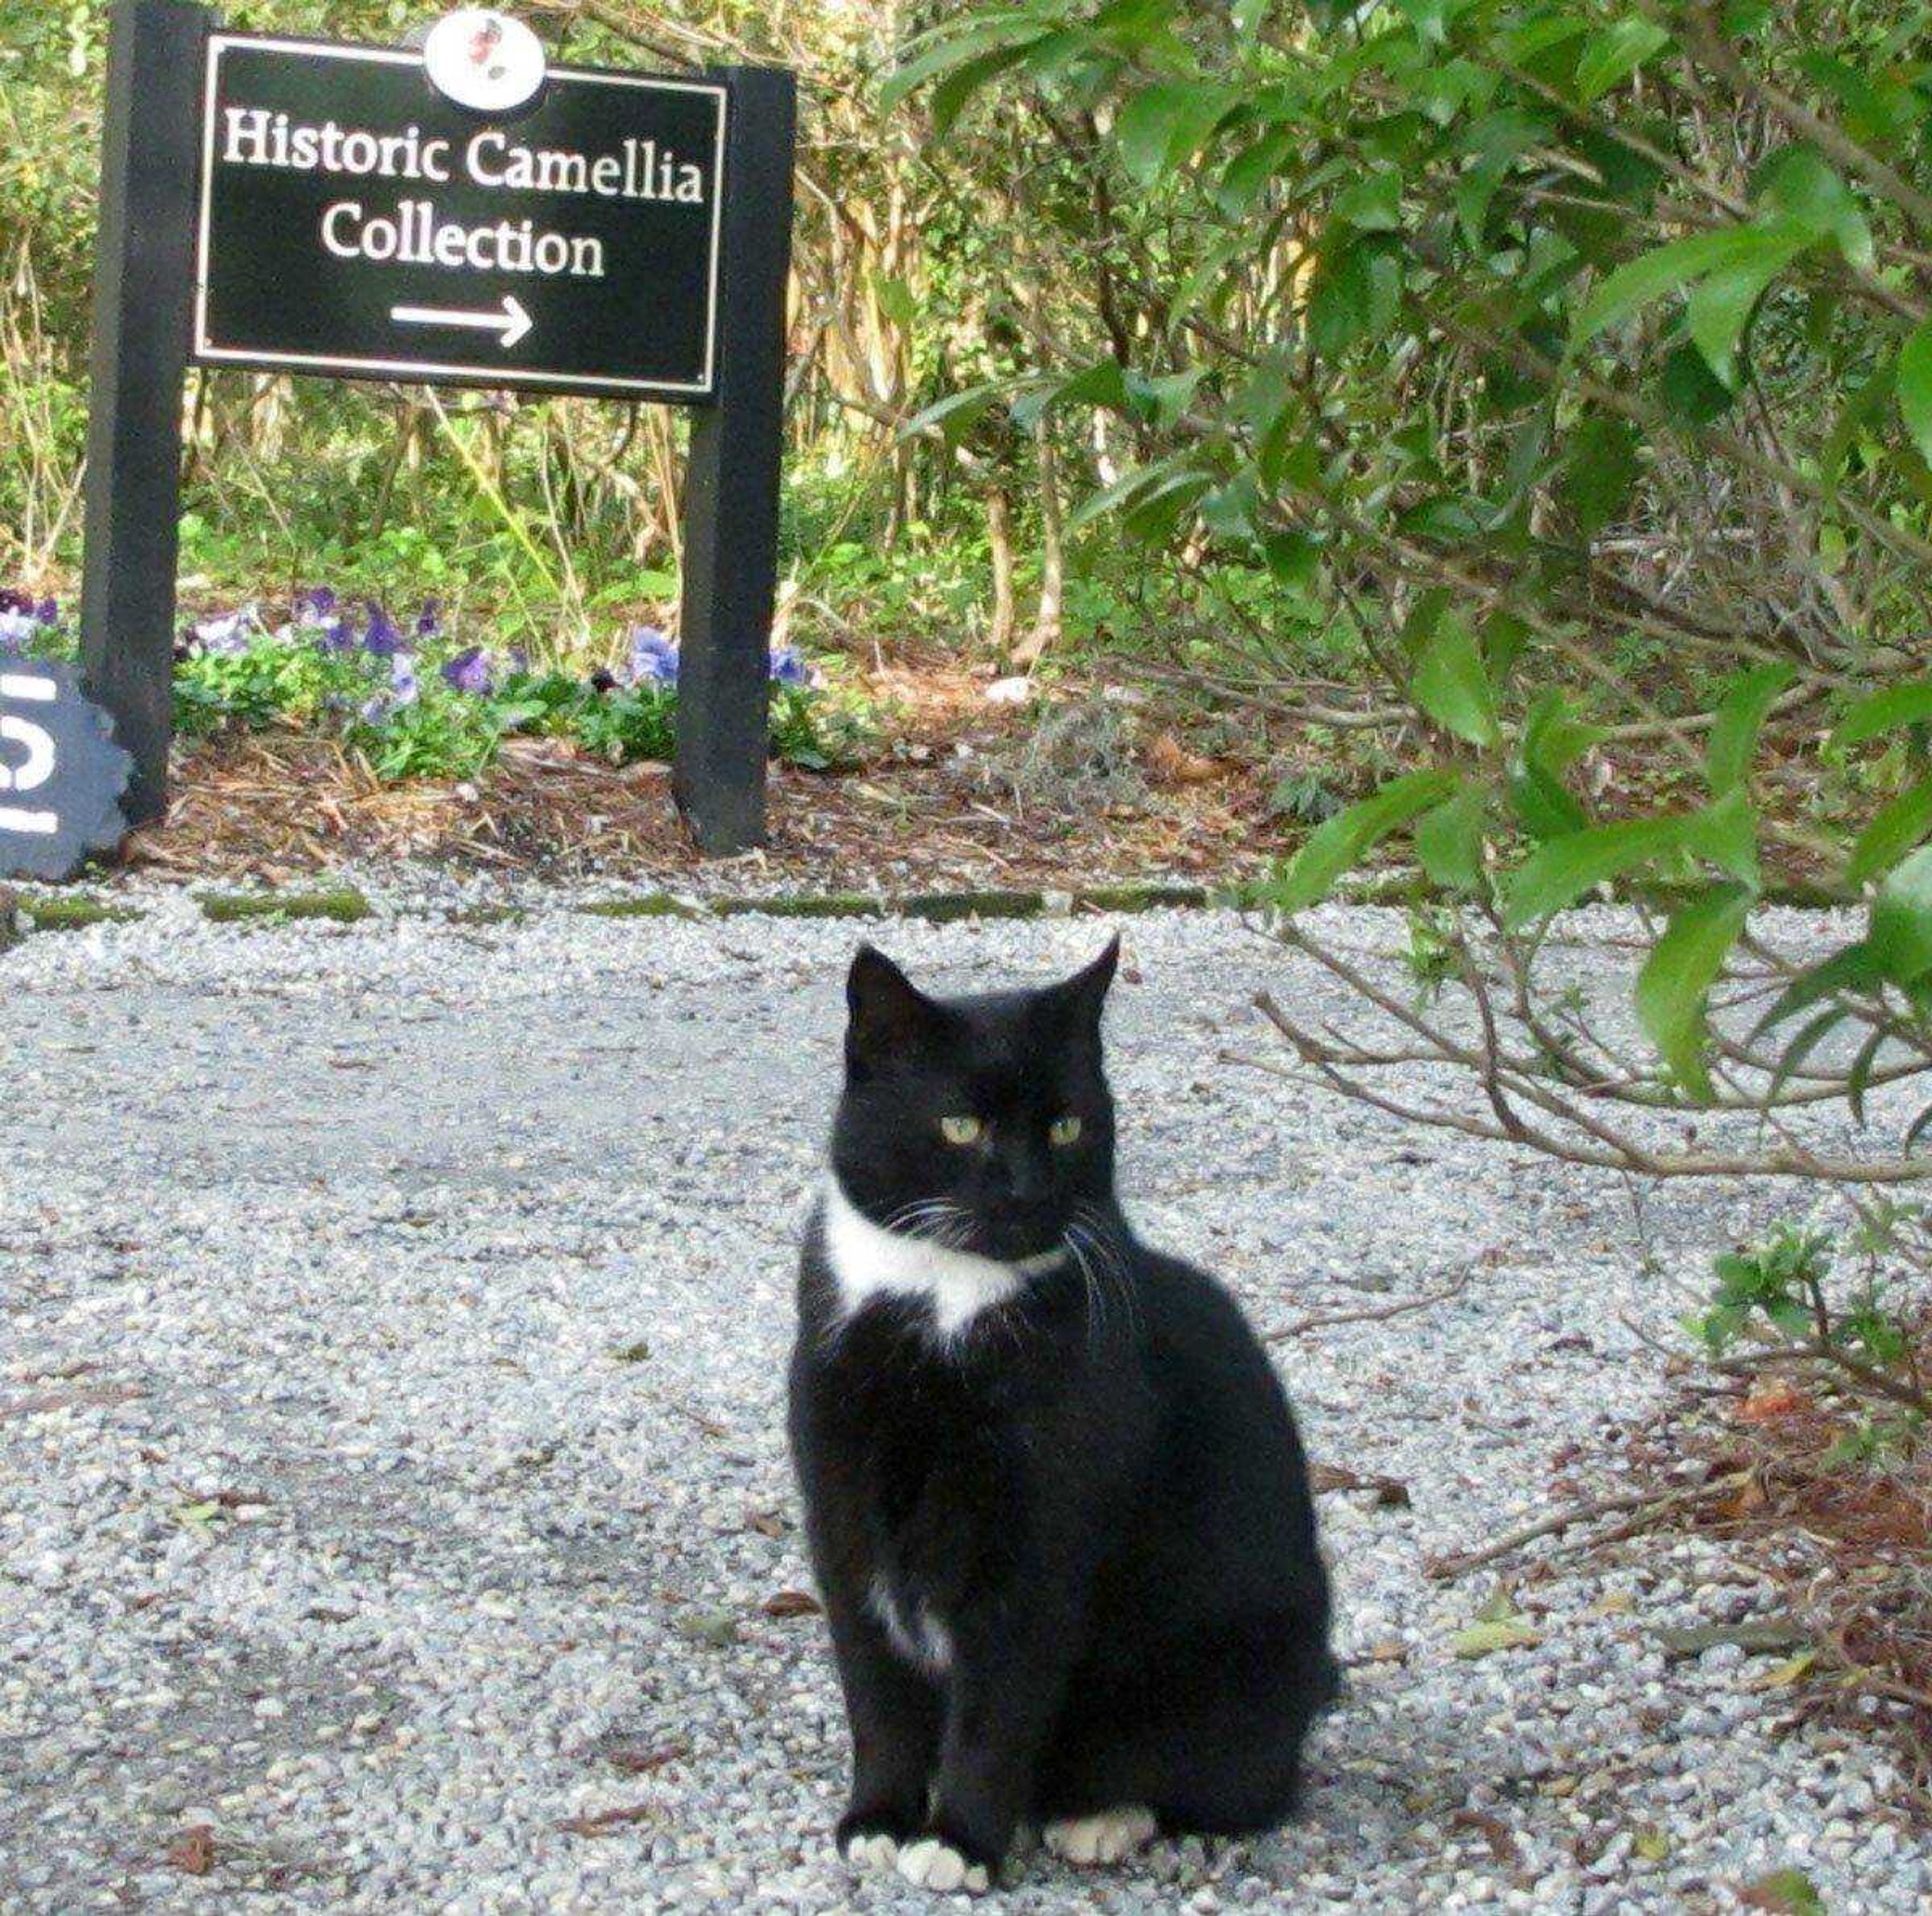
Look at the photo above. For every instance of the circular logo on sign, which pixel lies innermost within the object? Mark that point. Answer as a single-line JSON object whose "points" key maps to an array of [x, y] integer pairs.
{"points": [[483, 59]]}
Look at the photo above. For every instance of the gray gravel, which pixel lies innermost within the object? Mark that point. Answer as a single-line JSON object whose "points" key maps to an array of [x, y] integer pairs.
{"points": [[392, 1328]]}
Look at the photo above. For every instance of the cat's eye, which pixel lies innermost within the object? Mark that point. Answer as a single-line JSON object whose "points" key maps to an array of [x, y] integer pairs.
{"points": [[961, 1129], [1065, 1130]]}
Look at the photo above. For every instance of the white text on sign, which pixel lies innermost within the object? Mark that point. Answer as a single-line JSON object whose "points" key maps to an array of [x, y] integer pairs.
{"points": [[416, 235], [29, 688]]}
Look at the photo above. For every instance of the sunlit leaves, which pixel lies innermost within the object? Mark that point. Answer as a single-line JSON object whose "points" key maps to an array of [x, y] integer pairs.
{"points": [[1163, 126]]}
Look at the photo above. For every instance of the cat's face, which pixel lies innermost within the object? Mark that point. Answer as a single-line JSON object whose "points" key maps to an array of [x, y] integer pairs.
{"points": [[983, 1124]]}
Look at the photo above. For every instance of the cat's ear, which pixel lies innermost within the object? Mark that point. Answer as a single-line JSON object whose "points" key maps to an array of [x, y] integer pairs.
{"points": [[891, 1019], [1084, 996]]}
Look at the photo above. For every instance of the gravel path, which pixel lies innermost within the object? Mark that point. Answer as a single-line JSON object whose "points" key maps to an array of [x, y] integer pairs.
{"points": [[392, 1483]]}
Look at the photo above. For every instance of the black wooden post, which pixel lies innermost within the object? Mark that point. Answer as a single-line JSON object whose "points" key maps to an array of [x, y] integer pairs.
{"points": [[731, 483], [143, 291]]}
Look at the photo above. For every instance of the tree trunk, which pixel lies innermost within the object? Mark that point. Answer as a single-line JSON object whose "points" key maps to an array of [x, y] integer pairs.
{"points": [[999, 537], [1046, 623]]}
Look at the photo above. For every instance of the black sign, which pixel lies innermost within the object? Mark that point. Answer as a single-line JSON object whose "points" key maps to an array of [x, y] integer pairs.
{"points": [[355, 223], [61, 775]]}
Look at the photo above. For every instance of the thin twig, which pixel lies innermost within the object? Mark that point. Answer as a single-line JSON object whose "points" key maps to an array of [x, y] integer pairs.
{"points": [[1327, 1320], [1459, 1563]]}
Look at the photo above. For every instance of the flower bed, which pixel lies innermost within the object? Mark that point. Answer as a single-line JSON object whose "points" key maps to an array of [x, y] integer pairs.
{"points": [[416, 699]]}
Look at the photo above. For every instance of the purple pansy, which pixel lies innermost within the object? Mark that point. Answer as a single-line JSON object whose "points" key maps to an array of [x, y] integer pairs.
{"points": [[653, 658], [405, 688], [23, 618], [318, 606], [14, 604], [469, 672], [227, 633], [429, 620], [384, 637], [788, 667]]}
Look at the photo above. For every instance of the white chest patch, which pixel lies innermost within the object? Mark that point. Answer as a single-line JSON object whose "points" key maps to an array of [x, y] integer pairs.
{"points": [[868, 1262]]}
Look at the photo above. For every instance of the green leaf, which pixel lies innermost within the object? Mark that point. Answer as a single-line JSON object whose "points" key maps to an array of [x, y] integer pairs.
{"points": [[1485, 1638], [1552, 742], [958, 49], [1735, 727], [1899, 937], [1797, 181], [1613, 55], [1652, 274], [1675, 984], [1449, 840], [1895, 828], [1721, 307], [1345, 839], [1452, 685], [1163, 125], [1855, 968], [1247, 175], [957, 413], [1801, 1047], [1693, 394], [1725, 833], [1373, 203], [1908, 704], [1559, 871], [954, 94], [1915, 386], [1858, 1078], [1599, 470]]}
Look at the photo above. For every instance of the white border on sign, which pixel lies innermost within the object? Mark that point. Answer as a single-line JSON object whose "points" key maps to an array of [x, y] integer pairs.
{"points": [[418, 369]]}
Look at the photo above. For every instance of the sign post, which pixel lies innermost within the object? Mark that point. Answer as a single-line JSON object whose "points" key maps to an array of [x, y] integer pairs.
{"points": [[307, 207], [144, 265], [731, 483]]}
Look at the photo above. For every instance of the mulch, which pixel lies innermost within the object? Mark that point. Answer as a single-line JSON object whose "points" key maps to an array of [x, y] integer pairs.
{"points": [[942, 800]]}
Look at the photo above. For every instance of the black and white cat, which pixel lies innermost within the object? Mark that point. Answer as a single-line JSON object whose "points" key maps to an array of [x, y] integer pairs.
{"points": [[1053, 1494]]}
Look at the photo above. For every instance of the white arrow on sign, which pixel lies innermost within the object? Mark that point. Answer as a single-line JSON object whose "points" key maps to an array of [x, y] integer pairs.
{"points": [[511, 319]]}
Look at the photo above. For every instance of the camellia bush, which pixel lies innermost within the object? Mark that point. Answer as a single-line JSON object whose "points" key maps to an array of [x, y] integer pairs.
{"points": [[1572, 364]]}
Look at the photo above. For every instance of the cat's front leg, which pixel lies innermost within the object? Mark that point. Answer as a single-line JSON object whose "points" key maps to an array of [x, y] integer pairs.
{"points": [[1009, 1672], [895, 1716]]}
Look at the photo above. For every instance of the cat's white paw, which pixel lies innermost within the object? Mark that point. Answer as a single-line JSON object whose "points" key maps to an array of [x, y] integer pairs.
{"points": [[933, 1865], [1104, 1838], [872, 1851]]}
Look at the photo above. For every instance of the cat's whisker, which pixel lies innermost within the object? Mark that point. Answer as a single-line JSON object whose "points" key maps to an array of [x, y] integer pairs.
{"points": [[1097, 1310], [1092, 1224], [906, 1217]]}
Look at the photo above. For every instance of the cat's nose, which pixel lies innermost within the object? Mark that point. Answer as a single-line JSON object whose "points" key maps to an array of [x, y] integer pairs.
{"points": [[1029, 1179]]}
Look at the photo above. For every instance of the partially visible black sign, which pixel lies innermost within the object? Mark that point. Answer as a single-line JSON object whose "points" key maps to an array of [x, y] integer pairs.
{"points": [[355, 223], [61, 775]]}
